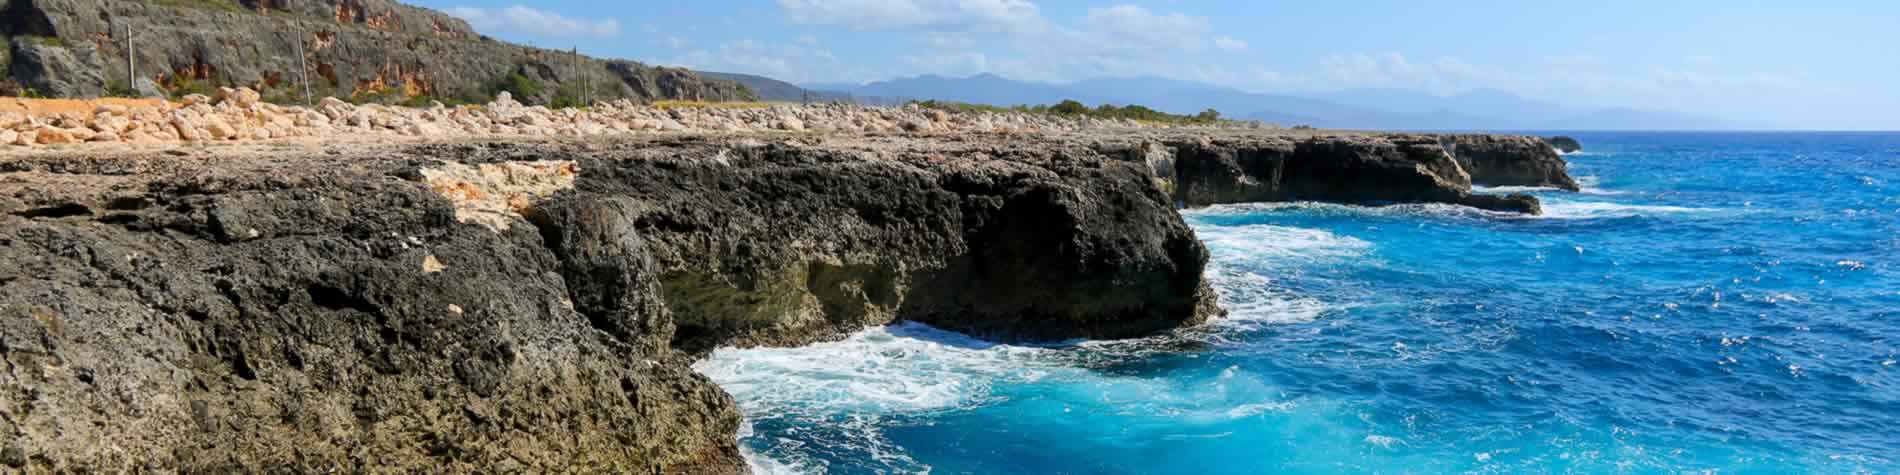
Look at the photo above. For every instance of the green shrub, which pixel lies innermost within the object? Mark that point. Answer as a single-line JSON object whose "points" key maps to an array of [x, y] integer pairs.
{"points": [[45, 40], [519, 85], [181, 86], [117, 88], [1070, 108]]}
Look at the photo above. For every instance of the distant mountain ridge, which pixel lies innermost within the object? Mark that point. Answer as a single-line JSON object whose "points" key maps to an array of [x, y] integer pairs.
{"points": [[1481, 109]]}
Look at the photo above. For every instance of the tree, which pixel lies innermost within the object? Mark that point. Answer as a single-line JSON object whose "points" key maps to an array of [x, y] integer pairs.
{"points": [[1070, 107], [1209, 115]]}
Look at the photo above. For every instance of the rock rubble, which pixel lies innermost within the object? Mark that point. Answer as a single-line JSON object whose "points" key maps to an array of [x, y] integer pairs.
{"points": [[240, 115]]}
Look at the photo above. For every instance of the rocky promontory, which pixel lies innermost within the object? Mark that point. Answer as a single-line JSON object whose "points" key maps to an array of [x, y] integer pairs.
{"points": [[1369, 169], [514, 288], [1508, 160], [496, 306], [1564, 144]]}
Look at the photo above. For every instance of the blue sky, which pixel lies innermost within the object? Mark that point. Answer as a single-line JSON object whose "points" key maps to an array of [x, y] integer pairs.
{"points": [[1796, 64]]}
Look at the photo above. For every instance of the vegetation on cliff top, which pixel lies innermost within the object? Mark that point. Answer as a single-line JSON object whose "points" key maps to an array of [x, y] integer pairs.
{"points": [[1073, 108]]}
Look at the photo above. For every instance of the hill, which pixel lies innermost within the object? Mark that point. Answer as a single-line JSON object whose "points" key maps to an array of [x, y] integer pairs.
{"points": [[769, 89], [366, 50]]}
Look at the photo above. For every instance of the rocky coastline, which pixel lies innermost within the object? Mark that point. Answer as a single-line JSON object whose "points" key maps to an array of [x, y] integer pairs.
{"points": [[494, 303]]}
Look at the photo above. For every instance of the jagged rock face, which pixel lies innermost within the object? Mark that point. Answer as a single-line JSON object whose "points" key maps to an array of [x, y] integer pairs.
{"points": [[57, 71], [348, 312], [1509, 160], [264, 319], [1362, 169], [1564, 143], [352, 48], [782, 245]]}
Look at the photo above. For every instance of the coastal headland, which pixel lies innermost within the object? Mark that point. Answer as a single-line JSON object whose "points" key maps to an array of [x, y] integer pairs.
{"points": [[360, 297]]}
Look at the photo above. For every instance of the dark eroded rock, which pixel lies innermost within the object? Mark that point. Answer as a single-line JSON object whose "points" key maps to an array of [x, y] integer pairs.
{"points": [[317, 312], [1564, 144], [1356, 169], [1509, 160]]}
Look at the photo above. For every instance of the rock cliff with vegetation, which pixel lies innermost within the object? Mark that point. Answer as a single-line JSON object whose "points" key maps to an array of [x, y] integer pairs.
{"points": [[361, 50]]}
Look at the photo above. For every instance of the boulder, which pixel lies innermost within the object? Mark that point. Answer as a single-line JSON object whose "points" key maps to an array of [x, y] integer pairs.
{"points": [[147, 88]]}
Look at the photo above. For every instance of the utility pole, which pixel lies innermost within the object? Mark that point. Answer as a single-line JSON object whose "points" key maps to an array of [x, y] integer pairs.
{"points": [[575, 67], [303, 70], [131, 68]]}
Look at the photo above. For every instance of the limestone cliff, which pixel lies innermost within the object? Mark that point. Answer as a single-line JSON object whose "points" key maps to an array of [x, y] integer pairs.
{"points": [[1342, 168], [1507, 160], [363, 49], [496, 307]]}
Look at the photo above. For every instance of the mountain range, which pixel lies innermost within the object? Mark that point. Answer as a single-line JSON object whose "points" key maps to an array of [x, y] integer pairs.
{"points": [[1481, 109]]}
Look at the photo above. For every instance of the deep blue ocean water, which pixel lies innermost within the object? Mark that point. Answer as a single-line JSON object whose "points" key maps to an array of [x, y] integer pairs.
{"points": [[1723, 303]]}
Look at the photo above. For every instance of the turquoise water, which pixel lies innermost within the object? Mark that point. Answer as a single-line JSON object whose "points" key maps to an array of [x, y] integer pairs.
{"points": [[1711, 303]]}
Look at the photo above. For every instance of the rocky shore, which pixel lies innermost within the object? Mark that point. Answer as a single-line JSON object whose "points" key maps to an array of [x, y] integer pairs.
{"points": [[472, 301], [239, 115]]}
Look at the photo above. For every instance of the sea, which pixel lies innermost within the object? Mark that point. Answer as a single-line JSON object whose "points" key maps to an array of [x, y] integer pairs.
{"points": [[1709, 303]]}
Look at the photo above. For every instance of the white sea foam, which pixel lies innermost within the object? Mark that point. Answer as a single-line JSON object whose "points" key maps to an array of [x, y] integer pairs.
{"points": [[906, 367], [1598, 209], [1333, 209], [1278, 245], [1513, 189]]}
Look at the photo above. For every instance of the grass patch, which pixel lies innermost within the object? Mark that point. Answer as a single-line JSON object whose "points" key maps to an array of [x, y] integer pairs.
{"points": [[44, 40], [117, 88], [221, 5], [181, 86]]}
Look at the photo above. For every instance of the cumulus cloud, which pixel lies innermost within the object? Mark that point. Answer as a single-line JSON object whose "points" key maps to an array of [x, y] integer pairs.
{"points": [[792, 61], [937, 15], [1229, 43], [529, 20], [1134, 25]]}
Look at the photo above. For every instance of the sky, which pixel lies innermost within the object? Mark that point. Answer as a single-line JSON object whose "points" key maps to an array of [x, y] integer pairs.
{"points": [[1823, 64]]}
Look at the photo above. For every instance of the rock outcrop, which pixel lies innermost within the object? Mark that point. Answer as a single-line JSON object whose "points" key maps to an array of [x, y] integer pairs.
{"points": [[362, 49], [1507, 160], [1368, 169], [497, 307], [1564, 144]]}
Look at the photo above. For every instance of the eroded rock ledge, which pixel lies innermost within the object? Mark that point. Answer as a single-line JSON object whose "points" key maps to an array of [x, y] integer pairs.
{"points": [[272, 309], [535, 307], [1217, 167]]}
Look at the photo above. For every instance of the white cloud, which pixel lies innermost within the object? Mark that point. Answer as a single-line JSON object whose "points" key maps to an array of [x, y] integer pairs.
{"points": [[783, 61], [942, 15], [1135, 25], [1230, 43], [675, 42], [808, 40], [528, 20]]}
